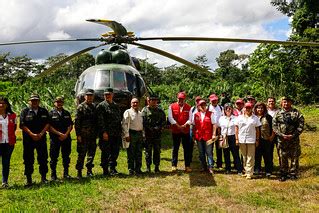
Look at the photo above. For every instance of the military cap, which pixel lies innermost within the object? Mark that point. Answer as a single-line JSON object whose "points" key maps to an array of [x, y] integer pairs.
{"points": [[59, 99], [153, 97], [108, 90], [287, 98], [34, 97], [89, 92], [250, 97]]}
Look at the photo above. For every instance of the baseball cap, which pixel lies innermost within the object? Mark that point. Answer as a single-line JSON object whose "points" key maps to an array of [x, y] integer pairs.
{"points": [[213, 97], [181, 95]]}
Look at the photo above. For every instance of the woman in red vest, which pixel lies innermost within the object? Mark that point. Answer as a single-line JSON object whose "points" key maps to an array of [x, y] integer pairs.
{"points": [[205, 133], [7, 137]]}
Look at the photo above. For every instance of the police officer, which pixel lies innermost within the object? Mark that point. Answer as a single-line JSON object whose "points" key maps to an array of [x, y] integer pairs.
{"points": [[85, 129], [288, 124], [153, 121], [110, 131], [34, 122], [60, 128]]}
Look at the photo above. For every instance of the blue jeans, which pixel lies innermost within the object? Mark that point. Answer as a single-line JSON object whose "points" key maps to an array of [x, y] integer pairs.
{"points": [[5, 152], [205, 150]]}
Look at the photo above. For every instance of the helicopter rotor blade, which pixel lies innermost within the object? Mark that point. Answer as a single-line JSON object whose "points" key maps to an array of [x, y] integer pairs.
{"points": [[48, 41], [118, 28], [311, 44], [56, 65], [171, 56]]}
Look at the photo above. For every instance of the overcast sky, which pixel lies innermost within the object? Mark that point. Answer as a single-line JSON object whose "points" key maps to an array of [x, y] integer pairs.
{"points": [[62, 19]]}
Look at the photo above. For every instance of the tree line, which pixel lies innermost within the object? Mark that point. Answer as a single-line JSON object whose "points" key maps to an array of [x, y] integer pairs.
{"points": [[271, 70]]}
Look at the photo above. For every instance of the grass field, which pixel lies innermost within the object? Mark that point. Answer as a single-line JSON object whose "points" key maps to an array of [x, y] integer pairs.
{"points": [[168, 191]]}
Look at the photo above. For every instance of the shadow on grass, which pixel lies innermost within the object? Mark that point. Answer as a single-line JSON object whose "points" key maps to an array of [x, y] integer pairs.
{"points": [[37, 185], [201, 179]]}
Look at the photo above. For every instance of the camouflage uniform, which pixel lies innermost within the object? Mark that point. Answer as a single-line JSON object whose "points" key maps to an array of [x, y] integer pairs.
{"points": [[288, 123], [109, 121], [153, 120], [85, 126]]}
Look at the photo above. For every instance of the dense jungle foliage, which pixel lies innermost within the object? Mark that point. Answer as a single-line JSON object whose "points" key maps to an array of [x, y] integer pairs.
{"points": [[271, 70]]}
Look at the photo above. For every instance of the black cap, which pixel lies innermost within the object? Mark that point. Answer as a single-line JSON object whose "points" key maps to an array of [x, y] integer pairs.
{"points": [[34, 97], [108, 90], [89, 92], [153, 97]]}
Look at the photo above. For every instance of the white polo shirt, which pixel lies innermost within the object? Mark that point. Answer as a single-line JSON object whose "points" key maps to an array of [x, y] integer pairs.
{"points": [[225, 122], [247, 128], [4, 129]]}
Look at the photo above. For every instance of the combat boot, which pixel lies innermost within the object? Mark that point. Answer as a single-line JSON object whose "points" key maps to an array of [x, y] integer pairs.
{"points": [[66, 173], [79, 176], [44, 179], [106, 172], [89, 172], [156, 170], [29, 181], [53, 175]]}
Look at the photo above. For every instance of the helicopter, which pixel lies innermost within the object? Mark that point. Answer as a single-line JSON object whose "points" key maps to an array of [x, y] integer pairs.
{"points": [[115, 67]]}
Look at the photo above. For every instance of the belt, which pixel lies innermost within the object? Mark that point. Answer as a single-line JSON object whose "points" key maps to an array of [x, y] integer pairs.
{"points": [[135, 131]]}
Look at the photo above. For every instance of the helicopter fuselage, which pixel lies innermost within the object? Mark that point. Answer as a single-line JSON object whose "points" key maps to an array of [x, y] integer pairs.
{"points": [[125, 80]]}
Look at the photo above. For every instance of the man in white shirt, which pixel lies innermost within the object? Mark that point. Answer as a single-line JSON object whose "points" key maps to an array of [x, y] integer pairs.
{"points": [[132, 125], [217, 110], [179, 116]]}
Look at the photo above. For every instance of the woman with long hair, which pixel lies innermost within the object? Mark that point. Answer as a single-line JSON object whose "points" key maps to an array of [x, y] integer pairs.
{"points": [[8, 126], [265, 148], [227, 125]]}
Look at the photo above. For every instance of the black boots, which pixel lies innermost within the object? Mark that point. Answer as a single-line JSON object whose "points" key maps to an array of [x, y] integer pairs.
{"points": [[66, 173], [29, 181], [156, 170], [89, 172], [79, 175], [53, 175]]}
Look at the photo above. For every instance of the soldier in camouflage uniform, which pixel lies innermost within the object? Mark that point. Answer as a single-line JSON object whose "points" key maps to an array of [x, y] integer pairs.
{"points": [[110, 132], [288, 124], [153, 120], [85, 129]]}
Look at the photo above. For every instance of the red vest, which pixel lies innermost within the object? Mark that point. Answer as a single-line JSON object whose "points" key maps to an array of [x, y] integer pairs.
{"points": [[203, 129], [181, 117], [12, 128]]}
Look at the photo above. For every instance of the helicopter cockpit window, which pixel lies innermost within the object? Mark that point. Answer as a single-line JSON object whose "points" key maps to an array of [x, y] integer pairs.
{"points": [[141, 85], [102, 79], [88, 80], [131, 84], [119, 81]]}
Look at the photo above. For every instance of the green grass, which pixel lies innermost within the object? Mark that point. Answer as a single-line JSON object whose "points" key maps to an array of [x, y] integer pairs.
{"points": [[168, 191]]}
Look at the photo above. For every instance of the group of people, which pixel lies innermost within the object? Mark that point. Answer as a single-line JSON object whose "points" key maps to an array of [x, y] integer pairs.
{"points": [[249, 132], [251, 128]]}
